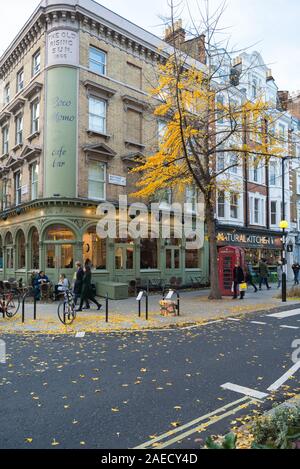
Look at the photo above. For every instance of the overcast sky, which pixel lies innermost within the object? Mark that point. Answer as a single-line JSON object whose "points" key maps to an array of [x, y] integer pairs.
{"points": [[272, 25]]}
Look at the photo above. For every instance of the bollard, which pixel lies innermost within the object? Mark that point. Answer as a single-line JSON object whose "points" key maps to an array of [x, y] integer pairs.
{"points": [[139, 299], [106, 308], [34, 309], [23, 309]]}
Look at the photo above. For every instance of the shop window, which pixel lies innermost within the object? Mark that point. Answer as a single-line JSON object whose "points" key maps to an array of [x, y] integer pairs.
{"points": [[97, 181], [9, 251], [51, 259], [94, 249], [149, 254], [21, 250], [192, 260], [59, 233], [35, 250], [67, 256], [97, 60]]}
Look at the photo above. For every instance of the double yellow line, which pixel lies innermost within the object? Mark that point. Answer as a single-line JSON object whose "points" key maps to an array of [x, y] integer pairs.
{"points": [[198, 425]]}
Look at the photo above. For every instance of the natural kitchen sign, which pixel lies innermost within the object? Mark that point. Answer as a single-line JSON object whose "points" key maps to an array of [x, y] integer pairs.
{"points": [[249, 239]]}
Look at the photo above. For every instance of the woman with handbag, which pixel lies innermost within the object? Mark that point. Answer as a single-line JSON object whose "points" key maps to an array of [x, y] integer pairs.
{"points": [[238, 280]]}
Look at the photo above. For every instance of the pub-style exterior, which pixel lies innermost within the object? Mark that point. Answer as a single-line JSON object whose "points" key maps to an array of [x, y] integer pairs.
{"points": [[75, 119]]}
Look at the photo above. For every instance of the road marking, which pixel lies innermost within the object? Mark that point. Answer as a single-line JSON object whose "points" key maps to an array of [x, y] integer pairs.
{"points": [[233, 319], [285, 377], [242, 390], [289, 327], [259, 323], [223, 409], [80, 335], [285, 314], [202, 427]]}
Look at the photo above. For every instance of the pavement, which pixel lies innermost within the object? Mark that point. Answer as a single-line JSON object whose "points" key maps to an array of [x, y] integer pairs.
{"points": [[158, 389], [195, 308]]}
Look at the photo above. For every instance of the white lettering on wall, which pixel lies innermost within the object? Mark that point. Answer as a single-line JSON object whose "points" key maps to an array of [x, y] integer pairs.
{"points": [[63, 47]]}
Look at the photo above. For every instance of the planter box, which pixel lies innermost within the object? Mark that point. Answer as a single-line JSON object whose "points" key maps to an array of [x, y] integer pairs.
{"points": [[116, 291]]}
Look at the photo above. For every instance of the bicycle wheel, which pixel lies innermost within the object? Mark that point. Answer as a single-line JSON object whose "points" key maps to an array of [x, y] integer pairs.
{"points": [[66, 314], [12, 305]]}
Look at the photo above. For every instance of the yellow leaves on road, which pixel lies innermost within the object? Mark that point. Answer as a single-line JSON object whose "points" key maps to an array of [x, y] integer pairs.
{"points": [[28, 440]]}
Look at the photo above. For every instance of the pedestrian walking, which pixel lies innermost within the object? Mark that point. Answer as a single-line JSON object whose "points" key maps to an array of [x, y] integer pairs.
{"points": [[78, 282], [86, 292], [279, 273], [238, 279], [263, 270], [250, 277], [296, 270]]}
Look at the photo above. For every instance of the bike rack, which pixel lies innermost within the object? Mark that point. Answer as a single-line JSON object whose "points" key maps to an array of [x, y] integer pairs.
{"points": [[169, 297], [107, 308], [26, 295], [143, 294]]}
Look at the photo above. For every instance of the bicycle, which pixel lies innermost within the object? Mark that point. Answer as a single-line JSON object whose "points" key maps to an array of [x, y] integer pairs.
{"points": [[67, 309], [9, 304]]}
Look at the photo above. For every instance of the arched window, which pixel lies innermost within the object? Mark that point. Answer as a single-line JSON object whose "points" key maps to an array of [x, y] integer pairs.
{"points": [[35, 251], [94, 249], [59, 233], [21, 250], [9, 251]]}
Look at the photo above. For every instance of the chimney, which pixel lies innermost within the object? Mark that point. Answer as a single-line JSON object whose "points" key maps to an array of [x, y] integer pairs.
{"points": [[283, 98], [270, 75], [175, 35]]}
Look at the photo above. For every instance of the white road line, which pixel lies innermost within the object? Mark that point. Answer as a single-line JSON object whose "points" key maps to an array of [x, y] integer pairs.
{"points": [[233, 319], [80, 335], [203, 418], [285, 314], [285, 377], [259, 323], [289, 327], [242, 390]]}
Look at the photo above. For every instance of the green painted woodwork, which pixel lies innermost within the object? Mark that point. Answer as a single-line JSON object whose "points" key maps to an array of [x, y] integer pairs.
{"points": [[61, 132]]}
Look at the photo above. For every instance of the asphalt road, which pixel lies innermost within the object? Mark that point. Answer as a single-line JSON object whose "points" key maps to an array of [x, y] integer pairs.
{"points": [[150, 389]]}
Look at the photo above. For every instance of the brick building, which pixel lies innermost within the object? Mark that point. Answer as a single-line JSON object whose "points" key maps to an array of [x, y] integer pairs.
{"points": [[76, 115]]}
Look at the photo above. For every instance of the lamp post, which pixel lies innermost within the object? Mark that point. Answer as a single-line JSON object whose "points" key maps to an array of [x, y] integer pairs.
{"points": [[284, 226]]}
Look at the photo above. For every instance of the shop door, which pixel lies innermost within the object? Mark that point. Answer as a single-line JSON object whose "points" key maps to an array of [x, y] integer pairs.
{"points": [[173, 261], [124, 262], [59, 260]]}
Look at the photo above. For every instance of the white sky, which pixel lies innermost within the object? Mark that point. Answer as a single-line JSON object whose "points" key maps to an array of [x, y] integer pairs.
{"points": [[272, 26]]}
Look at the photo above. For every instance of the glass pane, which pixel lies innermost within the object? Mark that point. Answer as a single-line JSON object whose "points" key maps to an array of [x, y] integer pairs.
{"points": [[191, 259], [59, 233], [21, 251], [149, 254], [96, 190], [51, 258], [130, 258], [169, 259], [119, 259], [35, 252], [177, 259], [67, 256], [94, 249]]}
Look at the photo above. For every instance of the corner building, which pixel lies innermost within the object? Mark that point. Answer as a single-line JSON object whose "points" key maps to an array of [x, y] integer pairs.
{"points": [[76, 115]]}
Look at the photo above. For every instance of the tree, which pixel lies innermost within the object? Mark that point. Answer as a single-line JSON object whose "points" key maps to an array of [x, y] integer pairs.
{"points": [[211, 126]]}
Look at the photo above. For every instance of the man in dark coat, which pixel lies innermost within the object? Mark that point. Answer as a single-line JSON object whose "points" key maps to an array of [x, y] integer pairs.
{"points": [[78, 282], [86, 292], [238, 278], [263, 274]]}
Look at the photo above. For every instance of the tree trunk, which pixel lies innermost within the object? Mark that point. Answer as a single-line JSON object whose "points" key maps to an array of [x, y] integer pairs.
{"points": [[215, 293]]}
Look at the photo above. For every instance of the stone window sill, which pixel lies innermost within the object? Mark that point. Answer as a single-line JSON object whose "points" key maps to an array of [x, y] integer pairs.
{"points": [[129, 143], [17, 147], [33, 135], [92, 133]]}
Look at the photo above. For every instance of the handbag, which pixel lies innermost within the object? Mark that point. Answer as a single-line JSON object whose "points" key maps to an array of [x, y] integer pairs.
{"points": [[243, 286]]}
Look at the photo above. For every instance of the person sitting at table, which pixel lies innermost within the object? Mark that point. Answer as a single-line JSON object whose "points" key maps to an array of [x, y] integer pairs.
{"points": [[62, 286], [42, 278]]}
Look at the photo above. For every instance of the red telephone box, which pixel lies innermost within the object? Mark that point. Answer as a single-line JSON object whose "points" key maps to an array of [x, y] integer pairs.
{"points": [[227, 258]]}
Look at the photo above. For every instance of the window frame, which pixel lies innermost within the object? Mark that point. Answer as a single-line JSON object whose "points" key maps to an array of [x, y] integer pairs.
{"points": [[102, 118], [104, 181], [19, 130], [18, 188], [35, 117], [5, 142], [34, 182], [99, 64], [20, 84], [36, 67]]}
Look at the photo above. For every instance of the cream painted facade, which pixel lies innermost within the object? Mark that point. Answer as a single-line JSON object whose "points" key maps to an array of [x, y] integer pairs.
{"points": [[76, 126]]}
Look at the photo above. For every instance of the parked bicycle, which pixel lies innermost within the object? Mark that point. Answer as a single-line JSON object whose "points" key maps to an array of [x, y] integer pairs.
{"points": [[67, 309], [9, 304]]}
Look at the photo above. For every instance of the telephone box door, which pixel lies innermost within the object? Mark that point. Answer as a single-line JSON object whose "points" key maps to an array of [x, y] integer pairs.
{"points": [[228, 256]]}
